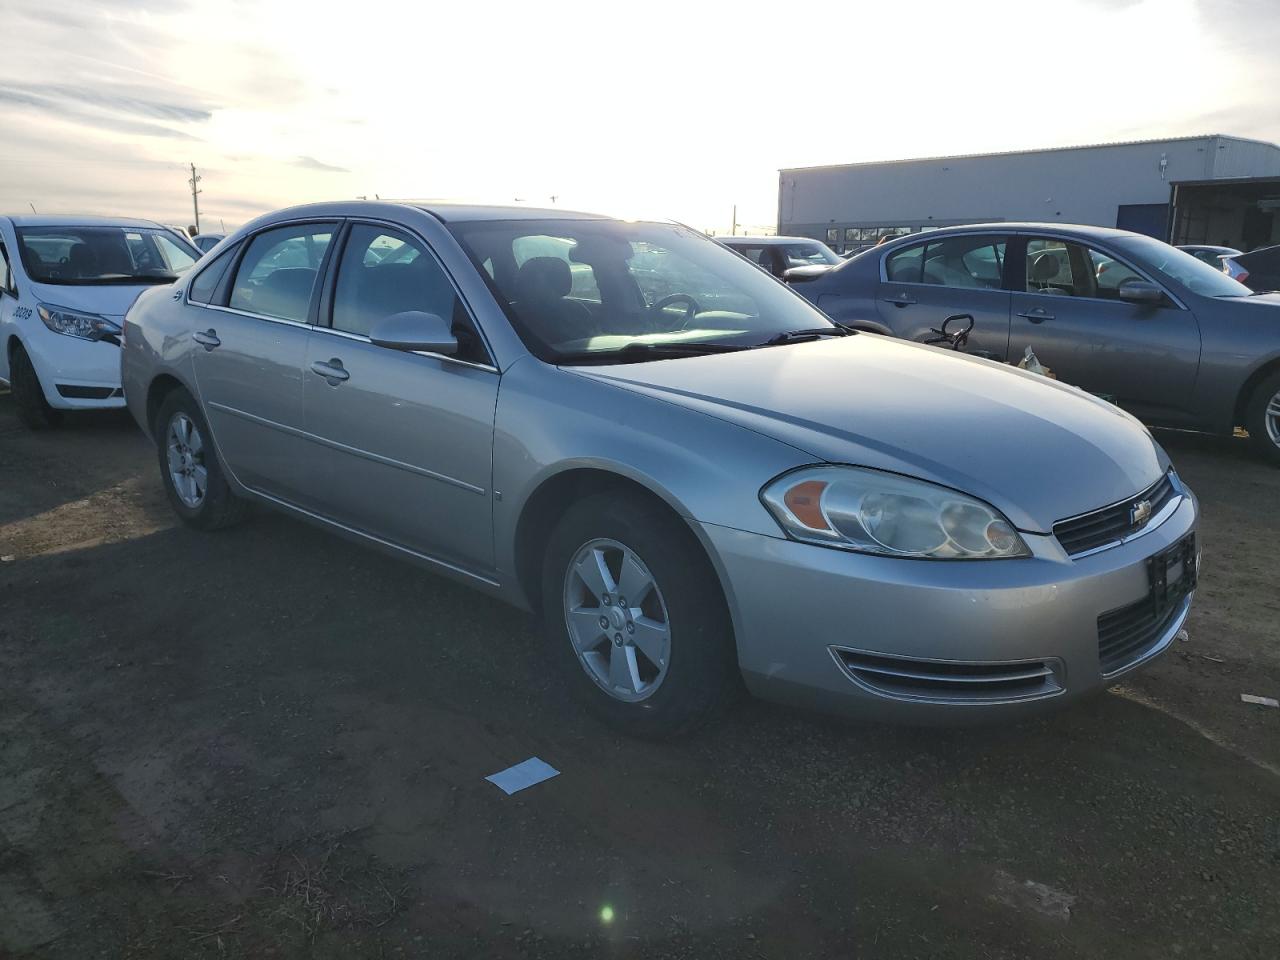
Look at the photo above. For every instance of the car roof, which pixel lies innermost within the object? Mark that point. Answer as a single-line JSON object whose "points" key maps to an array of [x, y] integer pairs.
{"points": [[766, 241], [72, 220]]}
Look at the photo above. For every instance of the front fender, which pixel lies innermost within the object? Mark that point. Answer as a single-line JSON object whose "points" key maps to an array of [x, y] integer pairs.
{"points": [[550, 420]]}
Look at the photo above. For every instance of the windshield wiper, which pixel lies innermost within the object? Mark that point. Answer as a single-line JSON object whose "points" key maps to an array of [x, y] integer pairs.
{"points": [[796, 336], [651, 351]]}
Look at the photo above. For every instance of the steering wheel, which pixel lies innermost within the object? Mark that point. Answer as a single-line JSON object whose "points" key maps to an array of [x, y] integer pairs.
{"points": [[691, 308]]}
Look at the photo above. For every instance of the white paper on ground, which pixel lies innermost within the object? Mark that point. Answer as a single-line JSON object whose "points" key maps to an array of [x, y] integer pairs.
{"points": [[522, 775], [1262, 701]]}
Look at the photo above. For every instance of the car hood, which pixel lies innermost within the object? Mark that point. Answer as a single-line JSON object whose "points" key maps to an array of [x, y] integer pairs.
{"points": [[108, 300], [1037, 450]]}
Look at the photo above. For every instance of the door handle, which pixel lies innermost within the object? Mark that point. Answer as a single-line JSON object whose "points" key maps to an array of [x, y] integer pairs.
{"points": [[332, 371], [901, 300], [207, 338], [1036, 315]]}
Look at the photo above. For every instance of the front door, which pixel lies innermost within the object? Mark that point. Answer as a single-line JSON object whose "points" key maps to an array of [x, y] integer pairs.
{"points": [[930, 281], [249, 364], [1143, 356], [402, 441]]}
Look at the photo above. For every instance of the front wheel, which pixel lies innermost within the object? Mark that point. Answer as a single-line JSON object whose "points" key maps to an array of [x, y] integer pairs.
{"points": [[28, 396], [1263, 418], [189, 466], [635, 617]]}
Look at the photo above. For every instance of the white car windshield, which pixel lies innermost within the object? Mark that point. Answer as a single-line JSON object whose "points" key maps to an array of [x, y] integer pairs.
{"points": [[103, 254], [608, 290], [1196, 275]]}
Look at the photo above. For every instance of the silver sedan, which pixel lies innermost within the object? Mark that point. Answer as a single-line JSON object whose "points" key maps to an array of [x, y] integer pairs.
{"points": [[690, 472]]}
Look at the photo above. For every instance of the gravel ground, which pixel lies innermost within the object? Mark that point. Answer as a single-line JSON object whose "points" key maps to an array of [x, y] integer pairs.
{"points": [[271, 742]]}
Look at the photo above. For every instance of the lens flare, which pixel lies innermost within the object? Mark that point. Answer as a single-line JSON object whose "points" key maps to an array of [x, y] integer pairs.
{"points": [[606, 914]]}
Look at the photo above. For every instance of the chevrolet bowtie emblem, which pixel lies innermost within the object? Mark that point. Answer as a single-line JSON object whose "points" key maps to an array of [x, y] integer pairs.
{"points": [[1140, 512]]}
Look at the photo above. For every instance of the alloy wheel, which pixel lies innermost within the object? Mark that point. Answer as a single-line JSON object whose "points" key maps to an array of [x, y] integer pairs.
{"points": [[617, 620], [1272, 419], [187, 470]]}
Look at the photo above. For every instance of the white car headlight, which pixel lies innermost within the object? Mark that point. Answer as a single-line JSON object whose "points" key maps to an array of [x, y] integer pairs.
{"points": [[870, 511], [76, 323]]}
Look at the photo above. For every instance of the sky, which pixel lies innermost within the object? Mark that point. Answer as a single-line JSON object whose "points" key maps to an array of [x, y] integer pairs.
{"points": [[648, 109]]}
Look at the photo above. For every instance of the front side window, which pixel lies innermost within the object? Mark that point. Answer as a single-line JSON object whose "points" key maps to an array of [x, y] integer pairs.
{"points": [[101, 255], [383, 272], [1067, 269], [655, 285], [279, 270]]}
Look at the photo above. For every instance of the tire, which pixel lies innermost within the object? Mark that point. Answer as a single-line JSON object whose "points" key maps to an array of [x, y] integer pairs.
{"points": [[213, 505], [700, 674], [1264, 427], [33, 408]]}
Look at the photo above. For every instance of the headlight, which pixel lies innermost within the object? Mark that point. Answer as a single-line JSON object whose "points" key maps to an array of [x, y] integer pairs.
{"points": [[74, 323], [854, 508]]}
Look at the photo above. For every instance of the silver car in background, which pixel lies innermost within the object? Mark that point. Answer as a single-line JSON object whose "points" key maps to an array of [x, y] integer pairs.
{"points": [[687, 469]]}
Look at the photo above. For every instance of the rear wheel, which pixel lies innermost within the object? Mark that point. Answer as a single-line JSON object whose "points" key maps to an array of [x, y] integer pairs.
{"points": [[1263, 418], [189, 466], [33, 408], [635, 617]]}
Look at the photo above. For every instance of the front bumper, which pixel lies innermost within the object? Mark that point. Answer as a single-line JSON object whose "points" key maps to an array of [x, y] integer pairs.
{"points": [[808, 619], [76, 374]]}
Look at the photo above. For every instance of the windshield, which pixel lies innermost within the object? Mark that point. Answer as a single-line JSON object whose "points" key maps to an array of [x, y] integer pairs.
{"points": [[97, 255], [803, 254], [598, 287], [1196, 275]]}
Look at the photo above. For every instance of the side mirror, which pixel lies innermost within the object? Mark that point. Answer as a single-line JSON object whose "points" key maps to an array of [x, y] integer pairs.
{"points": [[1140, 291], [414, 330]]}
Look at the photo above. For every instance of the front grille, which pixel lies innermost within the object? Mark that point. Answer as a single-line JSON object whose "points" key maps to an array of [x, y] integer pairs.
{"points": [[1112, 524], [909, 679], [1129, 634]]}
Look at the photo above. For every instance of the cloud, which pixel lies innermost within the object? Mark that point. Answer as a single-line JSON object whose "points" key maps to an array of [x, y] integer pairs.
{"points": [[311, 163], [66, 111]]}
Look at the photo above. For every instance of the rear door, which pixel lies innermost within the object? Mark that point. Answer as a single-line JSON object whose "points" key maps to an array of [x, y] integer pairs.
{"points": [[924, 283], [402, 441], [1143, 356], [253, 331]]}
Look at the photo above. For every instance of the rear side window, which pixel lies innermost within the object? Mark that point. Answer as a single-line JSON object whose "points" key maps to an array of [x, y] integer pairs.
{"points": [[279, 270], [206, 282], [967, 262], [904, 265]]}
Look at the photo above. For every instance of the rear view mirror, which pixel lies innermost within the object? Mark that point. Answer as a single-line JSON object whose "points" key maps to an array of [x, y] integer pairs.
{"points": [[414, 330], [1140, 291]]}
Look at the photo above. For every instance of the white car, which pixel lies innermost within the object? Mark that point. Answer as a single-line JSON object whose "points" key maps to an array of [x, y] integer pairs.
{"points": [[65, 284]]}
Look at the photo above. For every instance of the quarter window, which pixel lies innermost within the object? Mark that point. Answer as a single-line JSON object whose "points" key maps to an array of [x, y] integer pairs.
{"points": [[206, 282], [279, 269]]}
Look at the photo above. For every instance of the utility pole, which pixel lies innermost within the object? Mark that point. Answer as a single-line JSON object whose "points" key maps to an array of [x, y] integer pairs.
{"points": [[734, 231], [195, 193]]}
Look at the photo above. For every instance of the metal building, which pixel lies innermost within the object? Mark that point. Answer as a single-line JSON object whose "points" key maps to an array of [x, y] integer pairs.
{"points": [[1210, 189]]}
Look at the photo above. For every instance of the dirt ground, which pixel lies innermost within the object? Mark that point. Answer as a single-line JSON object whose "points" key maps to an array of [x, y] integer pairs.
{"points": [[269, 742]]}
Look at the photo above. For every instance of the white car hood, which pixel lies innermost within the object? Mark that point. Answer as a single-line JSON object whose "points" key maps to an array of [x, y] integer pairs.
{"points": [[107, 300]]}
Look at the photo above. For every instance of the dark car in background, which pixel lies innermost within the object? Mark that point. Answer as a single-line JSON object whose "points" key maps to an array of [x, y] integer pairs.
{"points": [[780, 254], [1258, 269], [1118, 314]]}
